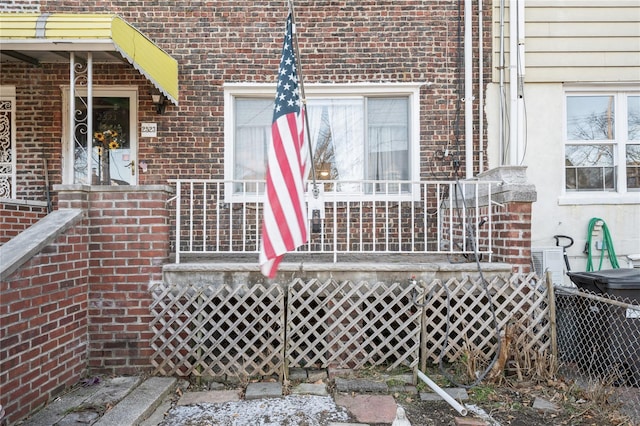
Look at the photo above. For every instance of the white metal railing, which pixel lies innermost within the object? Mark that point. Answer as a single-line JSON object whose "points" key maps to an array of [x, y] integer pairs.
{"points": [[363, 217]]}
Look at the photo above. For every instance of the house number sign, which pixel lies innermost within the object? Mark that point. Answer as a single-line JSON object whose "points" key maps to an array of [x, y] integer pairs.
{"points": [[149, 130]]}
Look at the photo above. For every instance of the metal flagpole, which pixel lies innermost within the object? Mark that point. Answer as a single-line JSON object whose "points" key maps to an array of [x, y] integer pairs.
{"points": [[316, 190]]}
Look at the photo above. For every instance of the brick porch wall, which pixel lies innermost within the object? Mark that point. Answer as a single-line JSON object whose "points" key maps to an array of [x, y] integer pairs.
{"points": [[43, 332], [18, 215], [129, 243], [81, 305]]}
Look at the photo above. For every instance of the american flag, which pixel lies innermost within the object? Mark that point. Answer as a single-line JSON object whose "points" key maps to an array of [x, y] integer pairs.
{"points": [[284, 225]]}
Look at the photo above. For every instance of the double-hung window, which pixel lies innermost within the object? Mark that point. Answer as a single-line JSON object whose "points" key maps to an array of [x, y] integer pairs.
{"points": [[602, 141], [364, 137]]}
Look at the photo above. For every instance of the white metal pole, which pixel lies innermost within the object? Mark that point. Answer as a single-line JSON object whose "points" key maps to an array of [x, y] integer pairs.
{"points": [[72, 116], [90, 118]]}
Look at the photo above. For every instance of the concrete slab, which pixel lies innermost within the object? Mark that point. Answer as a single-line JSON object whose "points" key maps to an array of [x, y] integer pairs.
{"points": [[459, 394], [369, 408], [310, 389], [314, 375], [297, 374], [209, 397], [158, 414], [80, 418], [83, 402], [263, 390], [360, 385], [410, 389], [216, 386], [139, 404], [406, 379]]}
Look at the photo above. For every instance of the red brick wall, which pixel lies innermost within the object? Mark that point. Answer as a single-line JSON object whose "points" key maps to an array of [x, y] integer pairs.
{"points": [[512, 235], [129, 243], [43, 333], [239, 41], [15, 217], [20, 6], [82, 303]]}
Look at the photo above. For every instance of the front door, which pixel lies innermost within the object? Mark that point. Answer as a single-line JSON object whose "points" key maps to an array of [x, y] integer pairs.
{"points": [[111, 156]]}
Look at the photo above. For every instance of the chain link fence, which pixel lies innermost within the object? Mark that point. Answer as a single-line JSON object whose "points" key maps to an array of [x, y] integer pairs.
{"points": [[598, 340]]}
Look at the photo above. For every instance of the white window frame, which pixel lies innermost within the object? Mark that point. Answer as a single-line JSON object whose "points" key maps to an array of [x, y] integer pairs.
{"points": [[130, 92], [8, 94], [620, 195], [325, 91]]}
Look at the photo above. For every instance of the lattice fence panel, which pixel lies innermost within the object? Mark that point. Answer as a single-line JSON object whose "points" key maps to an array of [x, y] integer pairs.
{"points": [[218, 330], [462, 307], [352, 325]]}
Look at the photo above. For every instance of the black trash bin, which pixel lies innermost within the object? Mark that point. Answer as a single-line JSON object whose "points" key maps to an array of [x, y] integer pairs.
{"points": [[621, 283], [613, 345]]}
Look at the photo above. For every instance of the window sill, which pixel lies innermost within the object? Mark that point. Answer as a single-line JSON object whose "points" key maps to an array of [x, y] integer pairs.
{"points": [[599, 198]]}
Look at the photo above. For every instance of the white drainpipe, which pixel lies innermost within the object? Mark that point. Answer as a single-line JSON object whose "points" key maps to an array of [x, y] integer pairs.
{"points": [[501, 139], [437, 389], [516, 81], [468, 90]]}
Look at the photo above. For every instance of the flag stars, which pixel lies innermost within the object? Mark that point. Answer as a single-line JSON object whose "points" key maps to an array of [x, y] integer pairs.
{"points": [[287, 98]]}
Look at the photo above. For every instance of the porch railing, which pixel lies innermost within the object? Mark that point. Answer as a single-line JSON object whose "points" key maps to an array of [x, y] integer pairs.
{"points": [[348, 218]]}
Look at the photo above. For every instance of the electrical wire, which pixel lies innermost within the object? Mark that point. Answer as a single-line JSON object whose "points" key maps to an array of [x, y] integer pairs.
{"points": [[470, 235], [480, 377]]}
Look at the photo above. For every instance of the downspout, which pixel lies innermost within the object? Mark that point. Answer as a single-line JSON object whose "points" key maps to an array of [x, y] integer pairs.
{"points": [[502, 145], [521, 113], [468, 90], [516, 75]]}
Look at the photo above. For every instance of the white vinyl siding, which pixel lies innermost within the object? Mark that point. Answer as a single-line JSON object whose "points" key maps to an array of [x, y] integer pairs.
{"points": [[576, 40]]}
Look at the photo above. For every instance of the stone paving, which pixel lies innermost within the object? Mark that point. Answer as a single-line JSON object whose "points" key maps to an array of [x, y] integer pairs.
{"points": [[162, 401], [354, 401]]}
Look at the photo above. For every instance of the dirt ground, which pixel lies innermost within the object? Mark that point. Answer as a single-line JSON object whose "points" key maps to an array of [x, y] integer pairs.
{"points": [[511, 403]]}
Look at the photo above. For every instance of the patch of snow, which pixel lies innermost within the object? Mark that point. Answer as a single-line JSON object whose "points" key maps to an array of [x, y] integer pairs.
{"points": [[291, 410]]}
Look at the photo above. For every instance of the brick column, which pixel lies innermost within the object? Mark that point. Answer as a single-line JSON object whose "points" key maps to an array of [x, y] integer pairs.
{"points": [[129, 243], [512, 199]]}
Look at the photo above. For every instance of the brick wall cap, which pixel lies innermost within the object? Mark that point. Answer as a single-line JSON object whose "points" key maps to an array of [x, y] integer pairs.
{"points": [[28, 243]]}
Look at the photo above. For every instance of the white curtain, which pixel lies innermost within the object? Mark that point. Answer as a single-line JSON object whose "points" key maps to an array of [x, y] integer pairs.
{"points": [[250, 152], [346, 119]]}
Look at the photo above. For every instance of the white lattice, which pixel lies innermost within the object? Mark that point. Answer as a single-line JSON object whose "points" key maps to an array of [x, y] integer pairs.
{"points": [[239, 331], [218, 330], [463, 308], [347, 324]]}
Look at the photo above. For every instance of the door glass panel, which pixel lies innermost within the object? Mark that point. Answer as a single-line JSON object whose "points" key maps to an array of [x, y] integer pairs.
{"points": [[111, 153]]}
